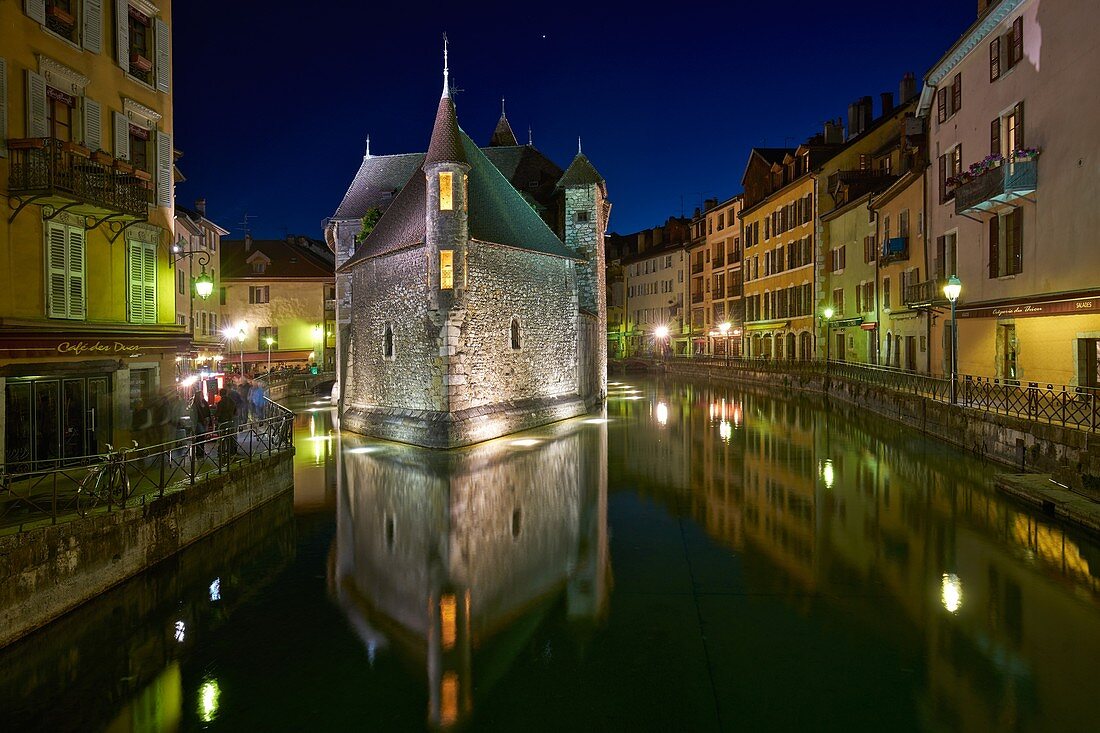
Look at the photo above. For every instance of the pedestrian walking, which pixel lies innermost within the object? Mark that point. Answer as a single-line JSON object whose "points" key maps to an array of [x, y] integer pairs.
{"points": [[199, 412], [227, 422]]}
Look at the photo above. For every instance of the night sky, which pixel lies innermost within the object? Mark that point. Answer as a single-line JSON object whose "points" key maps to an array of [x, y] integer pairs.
{"points": [[273, 101]]}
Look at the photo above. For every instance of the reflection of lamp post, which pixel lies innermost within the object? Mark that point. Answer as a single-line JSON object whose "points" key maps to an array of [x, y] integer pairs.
{"points": [[660, 334], [827, 314], [318, 334], [270, 341], [952, 290]]}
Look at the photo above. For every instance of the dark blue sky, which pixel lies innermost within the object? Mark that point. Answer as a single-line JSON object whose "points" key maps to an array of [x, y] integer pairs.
{"points": [[274, 100]]}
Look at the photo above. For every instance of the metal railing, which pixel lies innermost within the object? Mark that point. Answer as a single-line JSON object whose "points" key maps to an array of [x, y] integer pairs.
{"points": [[1056, 404], [47, 166], [1001, 183], [45, 492]]}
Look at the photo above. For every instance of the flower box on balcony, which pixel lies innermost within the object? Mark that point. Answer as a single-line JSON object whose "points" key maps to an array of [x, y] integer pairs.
{"points": [[27, 143], [123, 167], [140, 63], [143, 175], [77, 149], [61, 15], [102, 156]]}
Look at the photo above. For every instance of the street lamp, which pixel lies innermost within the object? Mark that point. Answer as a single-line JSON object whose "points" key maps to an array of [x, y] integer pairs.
{"points": [[660, 334], [827, 314], [952, 290], [318, 333], [240, 340], [203, 285], [724, 329], [270, 341]]}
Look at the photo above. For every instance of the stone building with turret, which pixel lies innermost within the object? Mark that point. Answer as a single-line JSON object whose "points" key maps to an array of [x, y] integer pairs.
{"points": [[474, 307]]}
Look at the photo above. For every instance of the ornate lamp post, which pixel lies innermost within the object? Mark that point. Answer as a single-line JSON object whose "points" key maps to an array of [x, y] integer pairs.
{"points": [[827, 314], [240, 340], [724, 329], [952, 290], [318, 335], [203, 285], [660, 334], [270, 341]]}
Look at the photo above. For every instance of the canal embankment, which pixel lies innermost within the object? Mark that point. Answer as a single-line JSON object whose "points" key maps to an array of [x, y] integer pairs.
{"points": [[1067, 454]]}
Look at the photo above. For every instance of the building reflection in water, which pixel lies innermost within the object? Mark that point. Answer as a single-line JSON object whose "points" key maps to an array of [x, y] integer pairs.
{"points": [[445, 558], [1006, 602]]}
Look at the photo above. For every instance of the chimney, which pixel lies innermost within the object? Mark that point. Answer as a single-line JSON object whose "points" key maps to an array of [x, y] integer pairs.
{"points": [[710, 204], [907, 89], [834, 133], [853, 120], [247, 242], [200, 206], [887, 103], [983, 5], [866, 113]]}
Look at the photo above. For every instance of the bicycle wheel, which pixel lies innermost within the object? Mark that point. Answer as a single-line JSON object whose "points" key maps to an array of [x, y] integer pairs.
{"points": [[88, 492]]}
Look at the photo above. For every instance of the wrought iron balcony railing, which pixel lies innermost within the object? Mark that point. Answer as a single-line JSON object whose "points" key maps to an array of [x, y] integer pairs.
{"points": [[895, 249], [929, 292], [998, 186], [52, 172]]}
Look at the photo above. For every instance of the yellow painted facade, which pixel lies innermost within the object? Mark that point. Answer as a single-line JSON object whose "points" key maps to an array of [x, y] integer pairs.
{"points": [[87, 304], [715, 289]]}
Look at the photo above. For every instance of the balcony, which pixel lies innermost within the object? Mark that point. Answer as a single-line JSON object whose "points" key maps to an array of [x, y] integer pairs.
{"points": [[998, 186], [696, 268], [895, 249], [66, 177], [696, 297], [718, 261], [923, 294]]}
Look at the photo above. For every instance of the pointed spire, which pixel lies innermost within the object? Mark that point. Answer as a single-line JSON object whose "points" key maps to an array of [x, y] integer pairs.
{"points": [[367, 155], [503, 135], [502, 108], [446, 70], [579, 145]]}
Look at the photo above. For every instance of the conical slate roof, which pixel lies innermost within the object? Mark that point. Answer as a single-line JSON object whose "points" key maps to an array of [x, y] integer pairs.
{"points": [[580, 172], [445, 146], [503, 134]]}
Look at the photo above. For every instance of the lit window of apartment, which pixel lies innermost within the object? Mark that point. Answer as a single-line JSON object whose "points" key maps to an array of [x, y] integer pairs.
{"points": [[259, 294], [142, 40], [1006, 233], [1006, 132]]}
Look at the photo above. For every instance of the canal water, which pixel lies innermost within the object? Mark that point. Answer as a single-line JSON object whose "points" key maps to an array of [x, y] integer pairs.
{"points": [[702, 558]]}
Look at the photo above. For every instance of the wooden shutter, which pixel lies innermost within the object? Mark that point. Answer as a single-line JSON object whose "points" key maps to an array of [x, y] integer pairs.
{"points": [[1015, 241], [1019, 126], [941, 256], [122, 34], [122, 136], [956, 93], [36, 105], [136, 291], [92, 34], [941, 104], [149, 282], [77, 295], [995, 59], [56, 271], [1017, 52], [994, 247], [164, 169], [3, 108], [93, 124], [162, 40], [995, 136], [35, 10]]}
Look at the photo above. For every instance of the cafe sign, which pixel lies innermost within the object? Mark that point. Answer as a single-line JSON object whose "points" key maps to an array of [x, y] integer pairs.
{"points": [[81, 348], [1031, 310]]}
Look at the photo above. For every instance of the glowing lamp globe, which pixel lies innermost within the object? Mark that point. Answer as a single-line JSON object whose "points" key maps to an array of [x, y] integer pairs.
{"points": [[828, 313], [204, 285], [661, 332], [953, 288]]}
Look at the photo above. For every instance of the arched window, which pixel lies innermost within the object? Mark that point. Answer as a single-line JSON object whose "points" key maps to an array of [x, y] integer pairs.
{"points": [[516, 340], [387, 342]]}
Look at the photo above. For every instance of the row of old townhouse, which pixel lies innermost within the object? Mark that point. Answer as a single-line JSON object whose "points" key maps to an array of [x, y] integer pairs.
{"points": [[840, 247], [109, 292]]}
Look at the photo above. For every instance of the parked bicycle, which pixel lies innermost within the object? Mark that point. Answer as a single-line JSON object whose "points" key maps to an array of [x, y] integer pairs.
{"points": [[106, 483]]}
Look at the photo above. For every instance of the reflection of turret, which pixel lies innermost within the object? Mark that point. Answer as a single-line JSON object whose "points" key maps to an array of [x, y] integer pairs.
{"points": [[438, 553]]}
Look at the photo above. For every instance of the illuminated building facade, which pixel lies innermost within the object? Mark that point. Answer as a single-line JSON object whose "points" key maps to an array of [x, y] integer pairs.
{"points": [[715, 290]]}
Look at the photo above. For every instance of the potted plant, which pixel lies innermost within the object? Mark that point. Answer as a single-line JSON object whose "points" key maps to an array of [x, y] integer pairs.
{"points": [[123, 166], [76, 149], [1025, 154], [61, 15], [102, 156], [143, 175]]}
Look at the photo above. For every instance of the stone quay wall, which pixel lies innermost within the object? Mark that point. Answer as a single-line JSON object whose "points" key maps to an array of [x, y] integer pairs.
{"points": [[1070, 455], [46, 572]]}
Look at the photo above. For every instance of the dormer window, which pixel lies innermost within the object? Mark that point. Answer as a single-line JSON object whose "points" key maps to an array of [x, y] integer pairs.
{"points": [[446, 192]]}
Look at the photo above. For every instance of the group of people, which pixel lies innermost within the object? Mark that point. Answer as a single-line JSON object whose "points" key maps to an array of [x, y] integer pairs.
{"points": [[232, 407]]}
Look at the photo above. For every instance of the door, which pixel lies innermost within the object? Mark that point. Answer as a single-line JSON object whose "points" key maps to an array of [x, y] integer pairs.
{"points": [[73, 418], [872, 347], [47, 420], [1006, 351], [98, 411], [838, 348], [911, 353]]}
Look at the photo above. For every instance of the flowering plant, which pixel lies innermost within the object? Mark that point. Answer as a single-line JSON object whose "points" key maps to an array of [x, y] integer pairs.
{"points": [[1026, 153], [985, 164]]}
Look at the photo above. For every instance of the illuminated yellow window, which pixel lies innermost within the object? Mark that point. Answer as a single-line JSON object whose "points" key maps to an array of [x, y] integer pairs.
{"points": [[446, 269], [446, 196], [448, 703]]}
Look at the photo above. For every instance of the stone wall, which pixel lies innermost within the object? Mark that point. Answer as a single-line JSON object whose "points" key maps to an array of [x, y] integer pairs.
{"points": [[46, 572], [587, 240], [391, 290], [1070, 454]]}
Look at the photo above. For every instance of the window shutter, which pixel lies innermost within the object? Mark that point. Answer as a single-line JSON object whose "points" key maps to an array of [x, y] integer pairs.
{"points": [[55, 270], [941, 259], [36, 105], [77, 300], [162, 40], [995, 136], [1019, 126], [3, 108], [92, 35], [994, 247], [122, 34], [941, 104], [36, 10], [1017, 52], [122, 136], [164, 169], [93, 124], [149, 283], [136, 286], [956, 93], [995, 59], [1016, 240]]}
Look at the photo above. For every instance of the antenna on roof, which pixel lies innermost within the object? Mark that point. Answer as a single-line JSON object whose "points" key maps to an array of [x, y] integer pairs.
{"points": [[244, 223], [502, 107], [368, 146], [446, 70], [530, 137]]}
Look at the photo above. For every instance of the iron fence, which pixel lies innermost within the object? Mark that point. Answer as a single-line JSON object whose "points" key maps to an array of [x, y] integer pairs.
{"points": [[43, 492], [1056, 404]]}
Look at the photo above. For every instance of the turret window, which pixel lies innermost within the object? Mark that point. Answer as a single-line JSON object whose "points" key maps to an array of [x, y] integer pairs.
{"points": [[582, 215], [388, 351], [516, 336], [446, 269], [446, 192]]}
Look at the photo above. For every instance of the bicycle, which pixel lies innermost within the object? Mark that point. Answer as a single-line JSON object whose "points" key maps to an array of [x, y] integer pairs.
{"points": [[107, 482]]}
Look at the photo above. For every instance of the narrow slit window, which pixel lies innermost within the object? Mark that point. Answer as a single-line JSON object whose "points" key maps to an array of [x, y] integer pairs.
{"points": [[515, 334], [387, 342], [446, 269], [446, 193]]}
